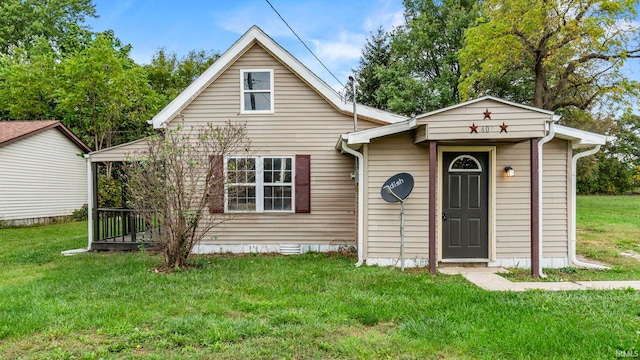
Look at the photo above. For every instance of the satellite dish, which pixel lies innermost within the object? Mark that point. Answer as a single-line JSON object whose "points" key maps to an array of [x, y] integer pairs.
{"points": [[399, 184]]}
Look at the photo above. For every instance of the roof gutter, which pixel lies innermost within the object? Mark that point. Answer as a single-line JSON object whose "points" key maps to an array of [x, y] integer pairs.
{"points": [[572, 216], [360, 180], [550, 135]]}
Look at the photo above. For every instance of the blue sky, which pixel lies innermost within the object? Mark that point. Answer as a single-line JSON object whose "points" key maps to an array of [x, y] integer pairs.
{"points": [[335, 30]]}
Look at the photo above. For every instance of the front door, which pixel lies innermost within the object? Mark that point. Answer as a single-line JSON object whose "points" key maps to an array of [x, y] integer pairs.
{"points": [[465, 205]]}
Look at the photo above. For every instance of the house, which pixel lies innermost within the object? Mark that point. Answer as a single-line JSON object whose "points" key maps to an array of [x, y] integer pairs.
{"points": [[464, 206], [42, 172]]}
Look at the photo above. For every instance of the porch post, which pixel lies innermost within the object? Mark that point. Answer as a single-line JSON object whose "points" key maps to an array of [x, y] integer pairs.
{"points": [[535, 201], [433, 175], [94, 208]]}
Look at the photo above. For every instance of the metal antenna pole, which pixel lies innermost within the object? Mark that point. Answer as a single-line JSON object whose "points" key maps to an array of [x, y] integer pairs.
{"points": [[402, 235]]}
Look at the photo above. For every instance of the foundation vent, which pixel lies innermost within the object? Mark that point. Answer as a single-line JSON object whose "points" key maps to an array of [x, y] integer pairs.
{"points": [[290, 249]]}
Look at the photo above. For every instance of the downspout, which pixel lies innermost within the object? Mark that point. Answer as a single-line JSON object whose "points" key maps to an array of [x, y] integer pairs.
{"points": [[572, 215], [550, 135], [360, 179], [90, 204]]}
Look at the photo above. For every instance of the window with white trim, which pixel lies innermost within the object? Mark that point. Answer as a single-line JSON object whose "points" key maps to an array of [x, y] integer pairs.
{"points": [[259, 184], [256, 91]]}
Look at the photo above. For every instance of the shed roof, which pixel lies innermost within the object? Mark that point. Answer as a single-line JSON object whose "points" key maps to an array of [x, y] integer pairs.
{"points": [[12, 131]]}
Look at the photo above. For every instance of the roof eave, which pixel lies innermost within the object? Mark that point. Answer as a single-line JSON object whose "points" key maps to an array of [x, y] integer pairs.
{"points": [[554, 117], [580, 138]]}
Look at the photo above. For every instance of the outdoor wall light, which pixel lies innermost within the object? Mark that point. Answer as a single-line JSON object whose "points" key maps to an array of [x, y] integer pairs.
{"points": [[509, 171]]}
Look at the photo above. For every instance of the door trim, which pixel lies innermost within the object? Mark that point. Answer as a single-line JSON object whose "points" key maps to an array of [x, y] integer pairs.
{"points": [[491, 172]]}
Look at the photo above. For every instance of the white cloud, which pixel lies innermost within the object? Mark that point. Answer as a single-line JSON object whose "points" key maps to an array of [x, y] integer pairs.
{"points": [[346, 47], [388, 16]]}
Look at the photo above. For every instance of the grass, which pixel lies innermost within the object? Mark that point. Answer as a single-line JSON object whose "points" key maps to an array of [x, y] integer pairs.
{"points": [[606, 227], [315, 306]]}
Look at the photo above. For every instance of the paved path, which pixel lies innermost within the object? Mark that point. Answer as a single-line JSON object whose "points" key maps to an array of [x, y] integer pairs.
{"points": [[488, 279]]}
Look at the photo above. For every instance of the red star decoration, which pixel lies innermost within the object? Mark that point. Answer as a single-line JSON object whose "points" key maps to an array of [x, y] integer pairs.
{"points": [[474, 128], [487, 114], [503, 127]]}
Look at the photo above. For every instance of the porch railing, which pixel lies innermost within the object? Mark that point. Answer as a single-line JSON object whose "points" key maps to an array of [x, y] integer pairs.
{"points": [[123, 225]]}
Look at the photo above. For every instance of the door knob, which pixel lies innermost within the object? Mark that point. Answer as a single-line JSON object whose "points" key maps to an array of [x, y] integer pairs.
{"points": [[444, 216]]}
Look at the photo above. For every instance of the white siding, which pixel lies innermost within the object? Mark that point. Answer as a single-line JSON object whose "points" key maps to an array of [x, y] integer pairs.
{"points": [[41, 176]]}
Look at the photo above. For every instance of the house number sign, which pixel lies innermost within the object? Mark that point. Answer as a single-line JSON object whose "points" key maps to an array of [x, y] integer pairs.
{"points": [[485, 129]]}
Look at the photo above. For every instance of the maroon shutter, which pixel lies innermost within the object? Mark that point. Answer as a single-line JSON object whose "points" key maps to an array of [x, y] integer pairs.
{"points": [[216, 185], [303, 183]]}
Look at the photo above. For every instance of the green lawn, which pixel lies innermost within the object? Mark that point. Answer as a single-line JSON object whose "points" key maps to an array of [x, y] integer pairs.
{"points": [[114, 306], [606, 227]]}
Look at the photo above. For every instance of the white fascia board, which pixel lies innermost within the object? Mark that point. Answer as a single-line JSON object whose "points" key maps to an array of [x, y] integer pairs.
{"points": [[117, 146], [241, 45], [506, 102], [365, 136], [580, 137]]}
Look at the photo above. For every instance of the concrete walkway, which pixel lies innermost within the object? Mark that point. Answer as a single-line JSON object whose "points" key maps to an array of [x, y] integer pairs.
{"points": [[488, 279]]}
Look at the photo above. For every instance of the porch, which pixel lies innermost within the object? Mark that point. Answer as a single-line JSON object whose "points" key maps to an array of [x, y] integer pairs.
{"points": [[112, 225], [122, 229]]}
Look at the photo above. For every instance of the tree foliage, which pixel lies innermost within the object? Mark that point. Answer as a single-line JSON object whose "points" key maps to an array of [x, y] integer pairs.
{"points": [[173, 181], [554, 54], [28, 82], [61, 22], [415, 68], [567, 57], [375, 56], [104, 94], [169, 74]]}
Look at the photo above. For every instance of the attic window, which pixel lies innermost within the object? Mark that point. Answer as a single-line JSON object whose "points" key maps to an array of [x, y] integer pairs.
{"points": [[257, 91]]}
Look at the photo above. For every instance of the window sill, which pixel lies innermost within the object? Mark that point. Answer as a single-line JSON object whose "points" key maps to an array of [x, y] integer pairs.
{"points": [[257, 112], [274, 212]]}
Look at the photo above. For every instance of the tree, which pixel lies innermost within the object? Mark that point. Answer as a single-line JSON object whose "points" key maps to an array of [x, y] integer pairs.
{"points": [[169, 75], [104, 95], [375, 55], [418, 70], [554, 54], [28, 83], [60, 22], [173, 182]]}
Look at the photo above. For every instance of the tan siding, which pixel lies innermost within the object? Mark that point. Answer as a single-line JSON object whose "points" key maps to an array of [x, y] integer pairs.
{"points": [[302, 123], [555, 211], [513, 202], [41, 176], [386, 157], [455, 123]]}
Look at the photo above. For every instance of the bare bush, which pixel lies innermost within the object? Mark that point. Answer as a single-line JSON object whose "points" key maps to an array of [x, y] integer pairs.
{"points": [[177, 184]]}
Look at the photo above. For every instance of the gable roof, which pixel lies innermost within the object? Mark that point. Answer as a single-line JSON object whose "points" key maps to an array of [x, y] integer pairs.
{"points": [[12, 131], [492, 98], [579, 138], [256, 35]]}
